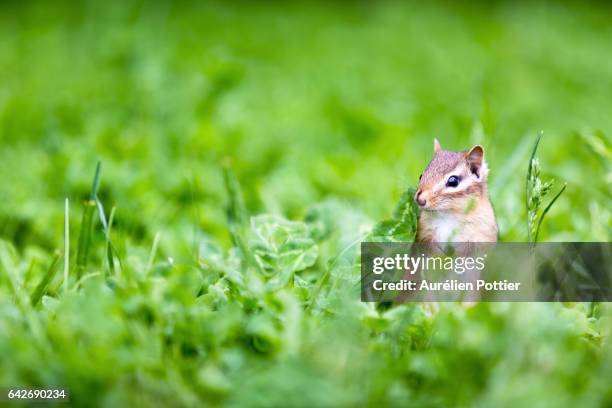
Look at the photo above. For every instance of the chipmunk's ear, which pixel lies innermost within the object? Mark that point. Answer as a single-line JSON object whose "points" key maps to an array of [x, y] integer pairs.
{"points": [[437, 146], [475, 159]]}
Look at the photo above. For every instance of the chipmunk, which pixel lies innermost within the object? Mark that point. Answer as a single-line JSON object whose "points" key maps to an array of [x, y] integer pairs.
{"points": [[452, 195]]}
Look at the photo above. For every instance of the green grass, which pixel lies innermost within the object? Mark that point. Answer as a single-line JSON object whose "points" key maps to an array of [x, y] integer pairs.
{"points": [[245, 150]]}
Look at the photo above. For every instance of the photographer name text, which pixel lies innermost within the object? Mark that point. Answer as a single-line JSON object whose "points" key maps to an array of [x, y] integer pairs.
{"points": [[449, 285]]}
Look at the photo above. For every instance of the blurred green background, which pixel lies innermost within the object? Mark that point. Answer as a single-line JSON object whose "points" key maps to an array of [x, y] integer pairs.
{"points": [[323, 110]]}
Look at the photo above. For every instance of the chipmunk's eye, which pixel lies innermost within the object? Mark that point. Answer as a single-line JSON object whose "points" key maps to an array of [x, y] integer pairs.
{"points": [[421, 176], [453, 181]]}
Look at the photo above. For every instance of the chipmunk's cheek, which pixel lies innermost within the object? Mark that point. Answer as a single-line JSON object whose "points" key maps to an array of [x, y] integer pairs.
{"points": [[441, 206], [459, 205], [433, 204], [444, 204]]}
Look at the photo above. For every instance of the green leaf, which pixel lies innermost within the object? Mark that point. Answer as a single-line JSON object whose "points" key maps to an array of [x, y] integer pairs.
{"points": [[402, 227], [281, 247]]}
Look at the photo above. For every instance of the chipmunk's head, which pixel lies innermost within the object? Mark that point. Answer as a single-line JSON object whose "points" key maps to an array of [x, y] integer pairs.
{"points": [[453, 181]]}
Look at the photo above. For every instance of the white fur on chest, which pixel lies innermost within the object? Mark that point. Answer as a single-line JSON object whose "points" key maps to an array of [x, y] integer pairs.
{"points": [[446, 227]]}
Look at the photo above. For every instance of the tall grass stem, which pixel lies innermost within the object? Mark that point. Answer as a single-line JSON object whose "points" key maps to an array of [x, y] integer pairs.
{"points": [[153, 252]]}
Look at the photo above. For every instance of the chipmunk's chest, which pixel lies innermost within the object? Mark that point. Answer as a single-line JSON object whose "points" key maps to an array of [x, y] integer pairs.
{"points": [[440, 227], [447, 227]]}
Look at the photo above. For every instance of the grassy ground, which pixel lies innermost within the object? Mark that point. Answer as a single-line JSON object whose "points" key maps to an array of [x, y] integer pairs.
{"points": [[322, 114]]}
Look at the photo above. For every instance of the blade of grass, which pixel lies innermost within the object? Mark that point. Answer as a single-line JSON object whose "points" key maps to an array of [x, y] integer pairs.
{"points": [[236, 210], [101, 215], [85, 237], [529, 168], [86, 232], [153, 252], [42, 287], [548, 207], [237, 217], [85, 278], [87, 228], [109, 245], [111, 251], [96, 182], [94, 197]]}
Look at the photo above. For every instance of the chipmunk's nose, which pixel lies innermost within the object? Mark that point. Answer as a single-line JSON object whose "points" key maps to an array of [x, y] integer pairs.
{"points": [[420, 201]]}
